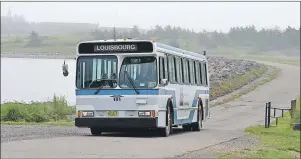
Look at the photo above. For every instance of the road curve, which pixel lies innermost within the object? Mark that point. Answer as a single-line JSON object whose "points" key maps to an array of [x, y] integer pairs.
{"points": [[227, 122]]}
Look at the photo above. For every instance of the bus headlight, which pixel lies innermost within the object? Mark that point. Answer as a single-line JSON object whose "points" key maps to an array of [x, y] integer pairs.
{"points": [[146, 113], [87, 114]]}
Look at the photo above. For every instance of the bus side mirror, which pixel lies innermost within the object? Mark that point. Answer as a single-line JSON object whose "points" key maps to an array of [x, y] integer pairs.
{"points": [[65, 69], [164, 82]]}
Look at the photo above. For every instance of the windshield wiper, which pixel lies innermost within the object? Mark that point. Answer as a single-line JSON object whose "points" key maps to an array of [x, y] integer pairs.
{"points": [[101, 85], [131, 81]]}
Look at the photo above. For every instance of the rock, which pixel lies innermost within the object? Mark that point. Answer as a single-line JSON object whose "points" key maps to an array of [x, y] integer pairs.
{"points": [[221, 68]]}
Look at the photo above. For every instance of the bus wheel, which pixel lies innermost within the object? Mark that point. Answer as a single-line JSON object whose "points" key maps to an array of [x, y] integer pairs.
{"points": [[168, 129], [198, 125], [95, 131]]}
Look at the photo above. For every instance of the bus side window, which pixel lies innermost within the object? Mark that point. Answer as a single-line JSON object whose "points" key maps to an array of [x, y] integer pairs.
{"points": [[180, 70], [161, 68], [171, 69], [187, 72], [177, 71], [201, 73], [183, 70], [197, 73], [191, 73], [205, 74], [165, 68]]}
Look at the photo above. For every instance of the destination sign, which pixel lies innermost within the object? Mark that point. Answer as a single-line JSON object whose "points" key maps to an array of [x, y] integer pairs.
{"points": [[115, 47]]}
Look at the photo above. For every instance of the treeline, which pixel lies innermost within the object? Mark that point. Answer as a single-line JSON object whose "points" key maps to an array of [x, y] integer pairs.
{"points": [[248, 36]]}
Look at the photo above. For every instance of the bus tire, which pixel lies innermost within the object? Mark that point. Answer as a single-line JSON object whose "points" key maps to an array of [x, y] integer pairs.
{"points": [[168, 129], [95, 131], [199, 124]]}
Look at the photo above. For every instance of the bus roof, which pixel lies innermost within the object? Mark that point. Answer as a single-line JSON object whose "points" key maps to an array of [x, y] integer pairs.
{"points": [[171, 49], [157, 47]]}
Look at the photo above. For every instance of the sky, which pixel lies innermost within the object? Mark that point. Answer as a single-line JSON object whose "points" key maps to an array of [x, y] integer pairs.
{"points": [[220, 16]]}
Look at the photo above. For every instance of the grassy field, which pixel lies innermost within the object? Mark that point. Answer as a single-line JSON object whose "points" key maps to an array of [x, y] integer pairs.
{"points": [[52, 112], [50, 44], [278, 142]]}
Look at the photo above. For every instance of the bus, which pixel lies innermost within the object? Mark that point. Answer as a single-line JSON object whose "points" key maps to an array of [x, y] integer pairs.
{"points": [[127, 84]]}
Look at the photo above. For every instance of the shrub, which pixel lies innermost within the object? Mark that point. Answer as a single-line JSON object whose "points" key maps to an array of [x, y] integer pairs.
{"points": [[53, 110]]}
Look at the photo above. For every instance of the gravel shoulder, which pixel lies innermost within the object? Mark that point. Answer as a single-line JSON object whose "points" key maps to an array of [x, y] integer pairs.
{"points": [[32, 132], [235, 144]]}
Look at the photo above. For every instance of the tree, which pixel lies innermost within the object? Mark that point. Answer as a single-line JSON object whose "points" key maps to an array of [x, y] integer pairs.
{"points": [[34, 39], [135, 33]]}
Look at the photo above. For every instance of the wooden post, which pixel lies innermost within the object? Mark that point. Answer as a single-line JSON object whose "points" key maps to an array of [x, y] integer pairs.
{"points": [[265, 116], [269, 114], [293, 107]]}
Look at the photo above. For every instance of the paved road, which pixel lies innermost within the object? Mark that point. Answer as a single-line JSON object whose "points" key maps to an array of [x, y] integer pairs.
{"points": [[226, 123]]}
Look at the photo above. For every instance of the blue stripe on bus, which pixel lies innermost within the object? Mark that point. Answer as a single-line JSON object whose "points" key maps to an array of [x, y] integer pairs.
{"points": [[118, 92]]}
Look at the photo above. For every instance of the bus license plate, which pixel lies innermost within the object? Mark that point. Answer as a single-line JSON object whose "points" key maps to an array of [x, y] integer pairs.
{"points": [[113, 113]]}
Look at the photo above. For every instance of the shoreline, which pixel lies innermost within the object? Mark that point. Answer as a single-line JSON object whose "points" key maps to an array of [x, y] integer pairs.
{"points": [[39, 55]]}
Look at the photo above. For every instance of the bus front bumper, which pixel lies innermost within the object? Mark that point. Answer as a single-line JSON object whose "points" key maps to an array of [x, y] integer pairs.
{"points": [[117, 122]]}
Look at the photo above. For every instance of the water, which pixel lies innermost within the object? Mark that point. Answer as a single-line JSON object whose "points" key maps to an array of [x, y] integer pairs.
{"points": [[28, 80]]}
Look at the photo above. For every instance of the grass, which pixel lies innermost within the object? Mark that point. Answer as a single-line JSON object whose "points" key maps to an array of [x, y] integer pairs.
{"points": [[267, 79], [50, 44], [50, 112], [278, 142], [234, 83]]}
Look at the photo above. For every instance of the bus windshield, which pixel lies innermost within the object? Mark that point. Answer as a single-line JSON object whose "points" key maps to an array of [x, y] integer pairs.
{"points": [[91, 71], [141, 70]]}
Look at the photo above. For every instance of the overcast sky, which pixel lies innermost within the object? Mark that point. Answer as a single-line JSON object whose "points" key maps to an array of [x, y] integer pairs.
{"points": [[197, 16]]}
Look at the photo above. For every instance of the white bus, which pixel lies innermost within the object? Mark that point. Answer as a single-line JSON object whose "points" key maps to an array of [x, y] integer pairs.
{"points": [[139, 84]]}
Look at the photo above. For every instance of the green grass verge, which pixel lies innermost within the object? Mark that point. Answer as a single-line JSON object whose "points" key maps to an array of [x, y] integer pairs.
{"points": [[278, 142], [234, 83], [272, 75], [50, 112]]}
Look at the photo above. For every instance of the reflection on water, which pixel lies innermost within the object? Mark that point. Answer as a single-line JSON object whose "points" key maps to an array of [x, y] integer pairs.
{"points": [[36, 79]]}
